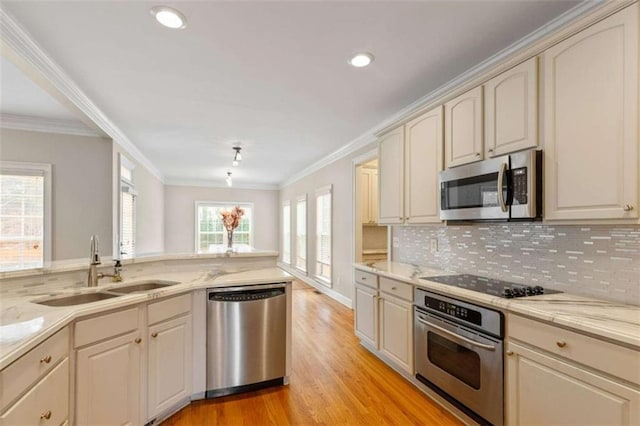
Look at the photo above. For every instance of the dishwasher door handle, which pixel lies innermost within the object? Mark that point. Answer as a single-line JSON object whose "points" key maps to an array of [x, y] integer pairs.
{"points": [[246, 288]]}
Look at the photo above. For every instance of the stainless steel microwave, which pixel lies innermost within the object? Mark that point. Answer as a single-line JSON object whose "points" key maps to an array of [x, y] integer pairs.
{"points": [[502, 188]]}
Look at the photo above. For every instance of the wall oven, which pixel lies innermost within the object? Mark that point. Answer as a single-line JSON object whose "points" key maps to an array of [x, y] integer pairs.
{"points": [[459, 354], [502, 188]]}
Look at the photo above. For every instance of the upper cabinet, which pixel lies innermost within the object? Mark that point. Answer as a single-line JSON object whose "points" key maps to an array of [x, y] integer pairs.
{"points": [[463, 132], [591, 122], [511, 110], [410, 158], [369, 200]]}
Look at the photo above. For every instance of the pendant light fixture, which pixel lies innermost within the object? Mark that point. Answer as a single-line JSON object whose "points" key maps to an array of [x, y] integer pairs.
{"points": [[229, 182], [237, 158]]}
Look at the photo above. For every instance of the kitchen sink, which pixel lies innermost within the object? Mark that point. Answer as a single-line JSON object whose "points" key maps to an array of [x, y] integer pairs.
{"points": [[77, 299], [142, 287]]}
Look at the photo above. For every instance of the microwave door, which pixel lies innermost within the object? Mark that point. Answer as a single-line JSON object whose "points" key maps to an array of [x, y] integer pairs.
{"points": [[476, 191]]}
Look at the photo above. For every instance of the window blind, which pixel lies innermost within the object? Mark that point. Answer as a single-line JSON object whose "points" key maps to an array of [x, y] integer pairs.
{"points": [[323, 234], [127, 223], [286, 233], [301, 234]]}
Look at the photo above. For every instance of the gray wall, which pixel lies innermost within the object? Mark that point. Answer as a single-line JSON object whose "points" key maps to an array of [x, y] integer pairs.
{"points": [[179, 208], [81, 187]]}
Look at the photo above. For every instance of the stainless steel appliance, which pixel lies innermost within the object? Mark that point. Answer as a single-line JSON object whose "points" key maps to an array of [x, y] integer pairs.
{"points": [[246, 338], [502, 188], [459, 354], [492, 286]]}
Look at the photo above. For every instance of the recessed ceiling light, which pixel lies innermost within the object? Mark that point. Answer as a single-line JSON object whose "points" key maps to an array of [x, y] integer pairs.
{"points": [[169, 17], [360, 60]]}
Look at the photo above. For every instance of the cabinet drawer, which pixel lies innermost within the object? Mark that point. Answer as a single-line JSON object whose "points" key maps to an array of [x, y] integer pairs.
{"points": [[396, 288], [46, 403], [26, 370], [367, 278], [169, 308], [105, 326], [604, 356]]}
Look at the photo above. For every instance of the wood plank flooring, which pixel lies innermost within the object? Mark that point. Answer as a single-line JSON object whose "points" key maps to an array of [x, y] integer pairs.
{"points": [[334, 381]]}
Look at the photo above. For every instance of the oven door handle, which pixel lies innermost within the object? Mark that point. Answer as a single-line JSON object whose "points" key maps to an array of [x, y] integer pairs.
{"points": [[503, 204], [454, 335]]}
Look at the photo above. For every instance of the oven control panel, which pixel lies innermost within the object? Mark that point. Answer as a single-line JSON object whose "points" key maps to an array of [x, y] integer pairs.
{"points": [[467, 314]]}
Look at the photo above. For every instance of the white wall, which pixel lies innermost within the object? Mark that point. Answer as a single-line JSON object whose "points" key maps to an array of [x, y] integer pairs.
{"points": [[81, 187], [339, 175], [179, 207], [149, 206]]}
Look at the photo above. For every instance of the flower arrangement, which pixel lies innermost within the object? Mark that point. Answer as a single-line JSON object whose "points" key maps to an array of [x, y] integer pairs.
{"points": [[231, 220]]}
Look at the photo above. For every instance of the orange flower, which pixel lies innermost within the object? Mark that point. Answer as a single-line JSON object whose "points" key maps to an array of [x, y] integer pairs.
{"points": [[231, 219]]}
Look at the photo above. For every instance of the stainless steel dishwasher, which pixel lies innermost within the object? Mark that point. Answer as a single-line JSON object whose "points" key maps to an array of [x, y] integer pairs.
{"points": [[246, 338]]}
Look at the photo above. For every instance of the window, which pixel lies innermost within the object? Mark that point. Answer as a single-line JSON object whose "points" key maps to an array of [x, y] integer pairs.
{"points": [[25, 215], [323, 234], [128, 194], [286, 232], [211, 233], [301, 233]]}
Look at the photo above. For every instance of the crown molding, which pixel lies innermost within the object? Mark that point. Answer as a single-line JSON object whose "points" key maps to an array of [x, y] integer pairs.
{"points": [[201, 183], [21, 44], [45, 125]]}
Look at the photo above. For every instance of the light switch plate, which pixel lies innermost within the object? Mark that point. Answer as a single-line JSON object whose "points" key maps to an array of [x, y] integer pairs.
{"points": [[434, 245], [396, 242]]}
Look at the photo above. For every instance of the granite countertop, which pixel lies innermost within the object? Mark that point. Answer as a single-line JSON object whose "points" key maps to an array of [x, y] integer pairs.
{"points": [[24, 324], [611, 321]]}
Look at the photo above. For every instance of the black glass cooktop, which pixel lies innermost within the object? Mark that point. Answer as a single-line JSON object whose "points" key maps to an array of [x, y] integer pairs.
{"points": [[491, 286]]}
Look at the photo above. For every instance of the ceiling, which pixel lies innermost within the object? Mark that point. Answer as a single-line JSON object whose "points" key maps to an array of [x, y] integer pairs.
{"points": [[271, 77]]}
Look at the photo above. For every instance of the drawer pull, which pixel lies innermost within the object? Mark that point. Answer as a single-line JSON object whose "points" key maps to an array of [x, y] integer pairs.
{"points": [[45, 416], [154, 335], [46, 360], [138, 340], [509, 353], [363, 278], [561, 343], [394, 288]]}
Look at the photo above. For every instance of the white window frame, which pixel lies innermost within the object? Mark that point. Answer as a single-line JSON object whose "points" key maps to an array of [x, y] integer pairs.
{"points": [[283, 235], [126, 185], [44, 170], [241, 204], [303, 268], [328, 281]]}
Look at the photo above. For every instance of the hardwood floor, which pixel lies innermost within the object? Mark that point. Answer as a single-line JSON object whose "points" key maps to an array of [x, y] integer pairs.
{"points": [[334, 381]]}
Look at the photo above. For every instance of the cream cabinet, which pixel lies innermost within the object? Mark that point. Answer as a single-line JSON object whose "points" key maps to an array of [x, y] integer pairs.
{"points": [[366, 307], [511, 110], [396, 323], [578, 380], [170, 362], [391, 175], [369, 198], [591, 122], [410, 159], [463, 129], [108, 371]]}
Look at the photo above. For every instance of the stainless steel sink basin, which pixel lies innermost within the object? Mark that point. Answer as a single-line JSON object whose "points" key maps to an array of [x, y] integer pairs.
{"points": [[77, 299], [141, 287]]}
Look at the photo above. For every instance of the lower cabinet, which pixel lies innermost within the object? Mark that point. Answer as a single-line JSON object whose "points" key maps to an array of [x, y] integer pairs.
{"points": [[108, 382], [366, 314], [545, 390], [396, 331]]}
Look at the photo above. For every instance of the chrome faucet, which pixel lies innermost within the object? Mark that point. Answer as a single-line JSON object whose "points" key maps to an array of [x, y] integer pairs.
{"points": [[94, 261]]}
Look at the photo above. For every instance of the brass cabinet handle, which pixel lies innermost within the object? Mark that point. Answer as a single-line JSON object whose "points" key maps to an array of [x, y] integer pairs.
{"points": [[490, 149], [477, 154], [394, 288], [509, 353], [363, 278], [627, 207], [154, 334], [561, 343], [138, 340], [45, 416], [46, 360]]}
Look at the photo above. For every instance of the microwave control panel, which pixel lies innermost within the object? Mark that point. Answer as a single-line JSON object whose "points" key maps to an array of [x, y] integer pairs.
{"points": [[519, 182]]}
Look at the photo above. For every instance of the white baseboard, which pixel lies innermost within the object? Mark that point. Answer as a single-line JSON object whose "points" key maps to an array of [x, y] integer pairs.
{"points": [[338, 297]]}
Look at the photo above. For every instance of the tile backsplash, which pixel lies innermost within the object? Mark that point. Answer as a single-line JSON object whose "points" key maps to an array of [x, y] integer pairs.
{"points": [[595, 261]]}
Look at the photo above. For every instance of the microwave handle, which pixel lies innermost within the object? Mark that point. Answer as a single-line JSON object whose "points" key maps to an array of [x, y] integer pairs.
{"points": [[503, 204]]}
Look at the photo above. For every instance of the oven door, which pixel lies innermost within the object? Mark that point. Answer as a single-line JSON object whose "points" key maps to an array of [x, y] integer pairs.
{"points": [[461, 362], [476, 191]]}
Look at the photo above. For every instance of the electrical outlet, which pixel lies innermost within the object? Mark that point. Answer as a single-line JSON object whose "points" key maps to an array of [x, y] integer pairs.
{"points": [[396, 242], [434, 245]]}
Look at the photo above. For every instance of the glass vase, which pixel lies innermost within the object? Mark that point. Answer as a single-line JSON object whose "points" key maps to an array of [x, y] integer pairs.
{"points": [[230, 241]]}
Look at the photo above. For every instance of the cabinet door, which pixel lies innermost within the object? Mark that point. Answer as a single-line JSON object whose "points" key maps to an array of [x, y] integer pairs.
{"points": [[423, 162], [396, 331], [108, 382], [544, 390], [373, 197], [170, 363], [390, 160], [365, 198], [511, 110], [463, 128], [367, 314], [591, 122]]}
